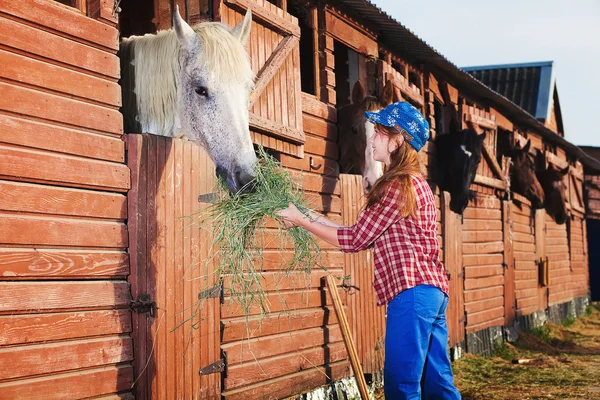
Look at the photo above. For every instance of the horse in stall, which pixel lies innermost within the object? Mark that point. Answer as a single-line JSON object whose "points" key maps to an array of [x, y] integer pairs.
{"points": [[193, 83], [355, 131], [523, 178], [458, 155], [555, 190]]}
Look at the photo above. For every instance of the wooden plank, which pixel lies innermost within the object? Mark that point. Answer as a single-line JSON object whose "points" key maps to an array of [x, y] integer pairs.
{"points": [[257, 372], [261, 124], [496, 314], [27, 39], [484, 282], [50, 231], [72, 385], [491, 159], [318, 109], [482, 259], [483, 248], [482, 214], [23, 132], [481, 236], [272, 65], [509, 264], [477, 224], [349, 35], [262, 14], [26, 70], [292, 384], [41, 166], [24, 329], [25, 101], [76, 25], [481, 271], [484, 122], [30, 296], [283, 301], [257, 349], [61, 264], [483, 305], [481, 294], [40, 359], [490, 182], [32, 198]]}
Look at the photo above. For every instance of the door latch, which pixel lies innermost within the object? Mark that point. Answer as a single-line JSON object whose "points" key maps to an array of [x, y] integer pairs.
{"points": [[143, 304]]}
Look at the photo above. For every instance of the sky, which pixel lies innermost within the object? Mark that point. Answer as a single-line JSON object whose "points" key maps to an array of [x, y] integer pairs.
{"points": [[483, 32]]}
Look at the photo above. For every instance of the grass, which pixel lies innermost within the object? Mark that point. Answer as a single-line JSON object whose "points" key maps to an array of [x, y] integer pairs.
{"points": [[564, 363], [238, 227]]}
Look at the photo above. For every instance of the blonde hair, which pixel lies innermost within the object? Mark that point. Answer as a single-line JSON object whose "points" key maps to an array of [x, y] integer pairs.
{"points": [[404, 163]]}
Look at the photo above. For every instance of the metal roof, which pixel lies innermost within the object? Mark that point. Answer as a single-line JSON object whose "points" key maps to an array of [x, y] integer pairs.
{"points": [[529, 85], [404, 42]]}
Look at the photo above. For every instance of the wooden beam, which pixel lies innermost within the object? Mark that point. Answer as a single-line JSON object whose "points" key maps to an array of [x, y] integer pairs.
{"points": [[487, 153], [350, 36], [577, 191], [275, 129], [267, 17], [481, 121], [270, 68], [502, 121], [491, 182], [557, 161]]}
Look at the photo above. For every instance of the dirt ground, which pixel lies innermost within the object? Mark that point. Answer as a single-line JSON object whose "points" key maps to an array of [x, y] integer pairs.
{"points": [[561, 362]]}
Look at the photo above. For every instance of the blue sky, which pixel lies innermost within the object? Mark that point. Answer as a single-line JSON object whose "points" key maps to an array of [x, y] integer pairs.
{"points": [[470, 32]]}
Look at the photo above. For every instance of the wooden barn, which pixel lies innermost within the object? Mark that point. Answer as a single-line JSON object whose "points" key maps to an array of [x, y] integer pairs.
{"points": [[100, 293], [592, 198]]}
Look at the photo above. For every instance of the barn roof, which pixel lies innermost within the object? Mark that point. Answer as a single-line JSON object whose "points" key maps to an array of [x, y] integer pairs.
{"points": [[532, 86], [402, 40]]}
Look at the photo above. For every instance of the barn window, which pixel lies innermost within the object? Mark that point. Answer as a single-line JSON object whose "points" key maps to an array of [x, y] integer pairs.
{"points": [[346, 72], [307, 44], [136, 18], [79, 4]]}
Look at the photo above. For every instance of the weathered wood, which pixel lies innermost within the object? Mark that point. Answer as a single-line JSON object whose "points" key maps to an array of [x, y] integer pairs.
{"points": [[271, 128], [29, 296], [26, 38], [72, 385], [35, 328], [272, 65], [509, 264], [63, 356], [349, 35], [51, 231], [263, 13], [484, 282], [62, 264], [23, 132], [41, 199], [489, 123], [491, 182], [483, 214]]}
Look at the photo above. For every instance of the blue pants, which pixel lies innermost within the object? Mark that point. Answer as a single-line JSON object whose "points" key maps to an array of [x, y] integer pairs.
{"points": [[416, 359]]}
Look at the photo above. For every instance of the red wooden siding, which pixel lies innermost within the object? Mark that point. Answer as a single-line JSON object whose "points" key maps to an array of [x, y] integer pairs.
{"points": [[168, 253], [367, 320], [64, 318], [525, 260]]}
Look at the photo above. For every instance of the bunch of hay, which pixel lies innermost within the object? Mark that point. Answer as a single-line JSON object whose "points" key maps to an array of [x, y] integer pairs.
{"points": [[238, 221]]}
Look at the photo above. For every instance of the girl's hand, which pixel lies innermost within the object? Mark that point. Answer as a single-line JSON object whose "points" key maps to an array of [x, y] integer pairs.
{"points": [[290, 216]]}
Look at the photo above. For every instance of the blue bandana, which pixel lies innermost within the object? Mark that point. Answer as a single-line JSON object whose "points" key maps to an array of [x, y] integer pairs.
{"points": [[403, 117]]}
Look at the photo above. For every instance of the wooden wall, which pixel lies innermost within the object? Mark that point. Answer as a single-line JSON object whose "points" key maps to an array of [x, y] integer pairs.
{"points": [[63, 237]]}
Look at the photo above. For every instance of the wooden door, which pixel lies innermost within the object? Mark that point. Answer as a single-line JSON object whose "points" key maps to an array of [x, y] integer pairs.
{"points": [[168, 256], [509, 264], [274, 49], [367, 320], [453, 262], [540, 255]]}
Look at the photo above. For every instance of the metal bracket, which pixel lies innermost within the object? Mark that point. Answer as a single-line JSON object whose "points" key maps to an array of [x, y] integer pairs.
{"points": [[143, 304], [210, 293], [217, 366]]}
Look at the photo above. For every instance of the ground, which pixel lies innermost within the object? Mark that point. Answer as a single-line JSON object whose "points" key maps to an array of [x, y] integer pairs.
{"points": [[558, 362]]}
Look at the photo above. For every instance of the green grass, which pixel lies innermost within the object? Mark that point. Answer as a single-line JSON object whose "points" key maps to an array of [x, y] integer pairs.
{"points": [[238, 222]]}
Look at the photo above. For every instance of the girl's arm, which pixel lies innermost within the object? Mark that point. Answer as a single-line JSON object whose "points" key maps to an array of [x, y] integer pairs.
{"points": [[314, 223]]}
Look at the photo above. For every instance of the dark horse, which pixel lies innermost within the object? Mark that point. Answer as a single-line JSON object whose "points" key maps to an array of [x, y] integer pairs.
{"points": [[354, 131], [555, 190], [458, 155], [523, 179]]}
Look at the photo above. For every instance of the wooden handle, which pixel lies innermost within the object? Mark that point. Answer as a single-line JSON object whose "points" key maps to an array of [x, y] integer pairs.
{"points": [[350, 347]]}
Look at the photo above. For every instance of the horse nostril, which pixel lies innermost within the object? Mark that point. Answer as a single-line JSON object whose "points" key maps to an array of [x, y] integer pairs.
{"points": [[244, 180]]}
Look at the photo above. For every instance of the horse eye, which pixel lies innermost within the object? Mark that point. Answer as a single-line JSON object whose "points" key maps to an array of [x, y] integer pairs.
{"points": [[202, 91]]}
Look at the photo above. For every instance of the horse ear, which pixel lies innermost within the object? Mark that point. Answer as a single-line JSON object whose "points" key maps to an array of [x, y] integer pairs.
{"points": [[387, 97], [358, 93], [242, 30], [527, 146], [185, 33]]}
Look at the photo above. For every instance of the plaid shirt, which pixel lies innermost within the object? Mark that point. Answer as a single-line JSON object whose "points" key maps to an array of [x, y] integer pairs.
{"points": [[406, 251]]}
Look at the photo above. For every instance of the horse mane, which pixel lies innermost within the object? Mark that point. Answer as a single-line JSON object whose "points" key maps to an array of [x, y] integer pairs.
{"points": [[150, 65]]}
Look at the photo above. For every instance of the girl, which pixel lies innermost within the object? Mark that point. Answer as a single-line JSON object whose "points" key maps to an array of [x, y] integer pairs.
{"points": [[399, 224]]}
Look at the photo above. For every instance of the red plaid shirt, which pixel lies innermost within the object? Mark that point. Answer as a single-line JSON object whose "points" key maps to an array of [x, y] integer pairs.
{"points": [[406, 251]]}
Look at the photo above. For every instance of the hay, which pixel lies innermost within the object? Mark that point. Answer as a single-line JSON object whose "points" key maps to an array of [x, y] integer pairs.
{"points": [[238, 226]]}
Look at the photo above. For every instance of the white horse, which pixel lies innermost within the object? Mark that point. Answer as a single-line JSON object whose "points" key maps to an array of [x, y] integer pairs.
{"points": [[193, 82], [356, 157]]}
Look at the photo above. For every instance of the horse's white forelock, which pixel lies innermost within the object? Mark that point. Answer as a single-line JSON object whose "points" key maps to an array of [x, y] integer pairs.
{"points": [[156, 66]]}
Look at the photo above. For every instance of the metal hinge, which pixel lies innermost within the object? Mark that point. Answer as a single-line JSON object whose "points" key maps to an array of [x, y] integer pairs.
{"points": [[143, 304], [217, 366], [210, 293]]}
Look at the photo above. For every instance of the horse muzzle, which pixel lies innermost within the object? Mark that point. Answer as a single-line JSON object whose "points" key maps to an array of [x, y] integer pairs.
{"points": [[237, 179]]}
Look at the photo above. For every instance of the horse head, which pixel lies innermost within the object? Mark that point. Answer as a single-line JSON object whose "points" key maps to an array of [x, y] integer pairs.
{"points": [[193, 82], [555, 191], [215, 81], [522, 177], [458, 155], [355, 131]]}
